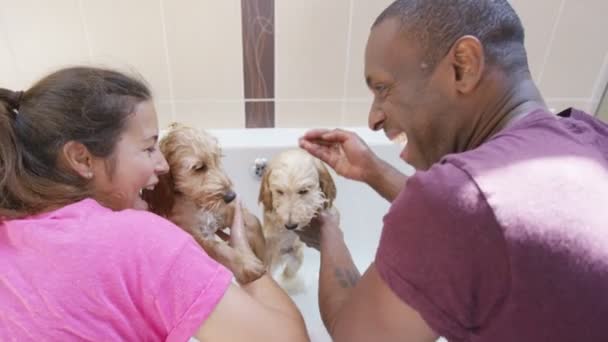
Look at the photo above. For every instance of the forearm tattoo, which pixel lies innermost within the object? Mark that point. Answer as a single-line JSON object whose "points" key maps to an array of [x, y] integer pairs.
{"points": [[347, 278]]}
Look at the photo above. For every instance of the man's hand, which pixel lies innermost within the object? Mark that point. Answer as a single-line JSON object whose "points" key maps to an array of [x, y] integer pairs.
{"points": [[312, 234], [344, 151]]}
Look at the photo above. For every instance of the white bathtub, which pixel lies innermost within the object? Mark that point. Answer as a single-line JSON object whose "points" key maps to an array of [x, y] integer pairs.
{"points": [[360, 207]]}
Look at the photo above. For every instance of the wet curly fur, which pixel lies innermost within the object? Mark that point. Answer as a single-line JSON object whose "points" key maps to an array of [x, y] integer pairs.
{"points": [[197, 196], [295, 187]]}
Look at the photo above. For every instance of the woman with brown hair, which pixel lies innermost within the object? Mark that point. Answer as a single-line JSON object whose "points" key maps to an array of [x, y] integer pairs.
{"points": [[80, 257]]}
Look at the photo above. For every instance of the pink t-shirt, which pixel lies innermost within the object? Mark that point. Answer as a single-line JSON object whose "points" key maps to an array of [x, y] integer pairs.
{"points": [[86, 273]]}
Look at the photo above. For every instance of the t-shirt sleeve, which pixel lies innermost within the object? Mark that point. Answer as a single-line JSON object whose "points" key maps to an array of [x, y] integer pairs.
{"points": [[172, 281], [443, 254], [191, 289]]}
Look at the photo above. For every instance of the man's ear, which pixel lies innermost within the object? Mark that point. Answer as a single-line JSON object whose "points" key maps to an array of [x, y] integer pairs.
{"points": [[469, 63], [75, 156]]}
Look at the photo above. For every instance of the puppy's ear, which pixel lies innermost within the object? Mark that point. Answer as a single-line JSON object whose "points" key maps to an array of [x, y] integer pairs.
{"points": [[326, 182], [265, 196], [162, 198]]}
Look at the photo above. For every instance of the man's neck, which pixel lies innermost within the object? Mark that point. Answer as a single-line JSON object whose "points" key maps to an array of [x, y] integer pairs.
{"points": [[509, 100]]}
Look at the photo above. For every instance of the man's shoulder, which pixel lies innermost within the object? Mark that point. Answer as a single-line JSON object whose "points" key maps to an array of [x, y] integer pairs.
{"points": [[445, 189]]}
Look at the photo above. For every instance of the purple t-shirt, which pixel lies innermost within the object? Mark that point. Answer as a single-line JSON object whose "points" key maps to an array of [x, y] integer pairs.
{"points": [[508, 242], [86, 273]]}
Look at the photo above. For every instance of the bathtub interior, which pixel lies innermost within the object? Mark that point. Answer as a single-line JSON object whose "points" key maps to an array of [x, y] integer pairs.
{"points": [[361, 209]]}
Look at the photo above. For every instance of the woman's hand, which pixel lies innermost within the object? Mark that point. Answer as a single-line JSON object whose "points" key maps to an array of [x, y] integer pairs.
{"points": [[244, 263]]}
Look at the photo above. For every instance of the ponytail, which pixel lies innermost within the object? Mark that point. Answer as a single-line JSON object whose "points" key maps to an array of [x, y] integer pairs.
{"points": [[9, 154]]}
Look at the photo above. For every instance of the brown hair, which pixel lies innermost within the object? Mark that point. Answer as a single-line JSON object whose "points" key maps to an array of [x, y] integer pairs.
{"points": [[82, 104]]}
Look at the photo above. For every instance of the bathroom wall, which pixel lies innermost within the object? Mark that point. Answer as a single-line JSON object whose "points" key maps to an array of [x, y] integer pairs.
{"points": [[191, 52]]}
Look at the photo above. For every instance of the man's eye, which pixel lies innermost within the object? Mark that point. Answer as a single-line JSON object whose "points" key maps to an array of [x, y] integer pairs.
{"points": [[380, 89]]}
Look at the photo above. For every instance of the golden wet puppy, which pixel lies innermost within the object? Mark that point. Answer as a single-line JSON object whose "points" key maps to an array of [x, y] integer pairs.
{"points": [[295, 187], [197, 196]]}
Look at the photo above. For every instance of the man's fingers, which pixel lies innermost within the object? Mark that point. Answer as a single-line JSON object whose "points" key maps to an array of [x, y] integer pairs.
{"points": [[337, 136], [324, 153], [315, 134]]}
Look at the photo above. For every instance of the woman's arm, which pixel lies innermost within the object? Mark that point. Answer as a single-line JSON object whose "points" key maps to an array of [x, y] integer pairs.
{"points": [[258, 311]]}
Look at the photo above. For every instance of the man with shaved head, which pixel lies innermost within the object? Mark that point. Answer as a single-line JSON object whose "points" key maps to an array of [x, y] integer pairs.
{"points": [[502, 232]]}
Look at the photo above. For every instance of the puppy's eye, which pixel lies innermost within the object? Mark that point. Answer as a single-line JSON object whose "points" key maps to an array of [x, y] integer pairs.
{"points": [[199, 168], [303, 192], [280, 192]]}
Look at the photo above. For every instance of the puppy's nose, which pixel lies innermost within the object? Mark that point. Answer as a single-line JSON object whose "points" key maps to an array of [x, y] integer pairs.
{"points": [[291, 226], [229, 196]]}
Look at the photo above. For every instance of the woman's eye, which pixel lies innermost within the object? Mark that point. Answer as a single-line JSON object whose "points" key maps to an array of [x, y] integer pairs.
{"points": [[151, 150], [303, 192]]}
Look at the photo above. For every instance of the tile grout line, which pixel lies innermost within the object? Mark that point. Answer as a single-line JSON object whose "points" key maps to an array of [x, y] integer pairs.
{"points": [[349, 39], [552, 38], [167, 59], [254, 100]]}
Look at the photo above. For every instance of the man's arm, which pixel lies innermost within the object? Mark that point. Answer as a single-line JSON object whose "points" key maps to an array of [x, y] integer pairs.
{"points": [[355, 308], [386, 180]]}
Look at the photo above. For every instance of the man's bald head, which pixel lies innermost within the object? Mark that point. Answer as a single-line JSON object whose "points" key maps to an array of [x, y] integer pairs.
{"points": [[438, 24]]}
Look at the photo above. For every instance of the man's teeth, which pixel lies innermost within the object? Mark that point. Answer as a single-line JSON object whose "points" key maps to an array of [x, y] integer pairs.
{"points": [[401, 139]]}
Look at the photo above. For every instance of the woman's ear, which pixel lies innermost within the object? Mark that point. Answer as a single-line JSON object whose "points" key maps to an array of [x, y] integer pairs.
{"points": [[75, 156]]}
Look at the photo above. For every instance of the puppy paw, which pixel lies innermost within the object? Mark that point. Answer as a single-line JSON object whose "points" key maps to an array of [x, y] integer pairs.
{"points": [[248, 268], [293, 285]]}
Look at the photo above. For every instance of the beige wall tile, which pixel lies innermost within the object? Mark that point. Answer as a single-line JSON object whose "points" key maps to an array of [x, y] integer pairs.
{"points": [[539, 18], [8, 69], [308, 114], [356, 113], [164, 112], [205, 48], [310, 48], [208, 115], [43, 37], [128, 35], [578, 51], [364, 13]]}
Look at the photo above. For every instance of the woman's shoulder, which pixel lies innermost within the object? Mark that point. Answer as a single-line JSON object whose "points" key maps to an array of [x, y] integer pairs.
{"points": [[133, 229]]}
